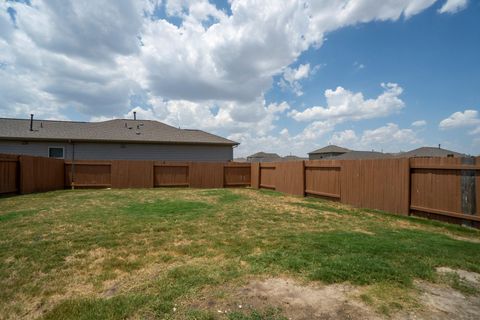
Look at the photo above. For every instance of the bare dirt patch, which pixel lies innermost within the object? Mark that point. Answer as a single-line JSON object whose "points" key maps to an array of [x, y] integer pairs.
{"points": [[294, 300], [442, 302], [471, 277]]}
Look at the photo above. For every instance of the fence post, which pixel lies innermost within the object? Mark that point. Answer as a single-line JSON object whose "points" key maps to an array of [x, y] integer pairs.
{"points": [[409, 184], [468, 190], [255, 175]]}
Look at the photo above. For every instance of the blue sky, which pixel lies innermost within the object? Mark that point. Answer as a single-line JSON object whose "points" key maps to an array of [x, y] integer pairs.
{"points": [[397, 74], [435, 58]]}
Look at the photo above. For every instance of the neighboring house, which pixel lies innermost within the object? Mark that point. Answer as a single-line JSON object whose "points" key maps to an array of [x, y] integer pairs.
{"points": [[327, 152], [362, 155], [119, 139], [264, 157], [293, 158], [426, 152]]}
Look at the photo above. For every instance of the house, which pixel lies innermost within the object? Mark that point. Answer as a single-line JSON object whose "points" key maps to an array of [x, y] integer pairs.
{"points": [[293, 158], [425, 152], [264, 157], [119, 139], [327, 152], [362, 155]]}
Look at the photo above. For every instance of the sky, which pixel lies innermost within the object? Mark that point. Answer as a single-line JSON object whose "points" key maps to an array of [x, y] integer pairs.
{"points": [[277, 76]]}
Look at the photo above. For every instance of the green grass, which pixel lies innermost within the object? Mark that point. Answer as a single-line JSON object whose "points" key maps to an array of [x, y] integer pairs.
{"points": [[115, 254]]}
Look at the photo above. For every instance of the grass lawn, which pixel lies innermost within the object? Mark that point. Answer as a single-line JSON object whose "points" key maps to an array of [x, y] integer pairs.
{"points": [[154, 253]]}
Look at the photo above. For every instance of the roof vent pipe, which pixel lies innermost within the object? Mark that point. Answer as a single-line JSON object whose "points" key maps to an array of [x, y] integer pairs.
{"points": [[439, 146], [134, 115], [31, 122]]}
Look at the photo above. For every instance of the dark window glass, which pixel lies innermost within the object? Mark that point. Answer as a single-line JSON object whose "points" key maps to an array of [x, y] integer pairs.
{"points": [[55, 152]]}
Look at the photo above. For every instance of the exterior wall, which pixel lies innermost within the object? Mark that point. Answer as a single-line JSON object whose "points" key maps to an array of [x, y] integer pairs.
{"points": [[117, 151], [318, 156]]}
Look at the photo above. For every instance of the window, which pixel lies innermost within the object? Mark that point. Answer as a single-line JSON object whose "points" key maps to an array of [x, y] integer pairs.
{"points": [[55, 152]]}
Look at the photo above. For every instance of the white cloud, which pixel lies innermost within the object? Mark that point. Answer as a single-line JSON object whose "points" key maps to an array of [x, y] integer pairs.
{"points": [[291, 77], [475, 131], [460, 119], [344, 138], [358, 66], [419, 123], [388, 138], [211, 71], [343, 105], [119, 48], [453, 6]]}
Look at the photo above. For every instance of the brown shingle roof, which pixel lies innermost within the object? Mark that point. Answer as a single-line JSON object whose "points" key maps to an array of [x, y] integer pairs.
{"points": [[119, 130], [429, 152], [330, 149], [362, 155]]}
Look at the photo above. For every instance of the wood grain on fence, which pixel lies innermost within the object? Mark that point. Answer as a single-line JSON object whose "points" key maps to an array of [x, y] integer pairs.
{"points": [[255, 175], [322, 178], [289, 177], [206, 175], [171, 174], [132, 174], [436, 188], [38, 174], [381, 184], [267, 175], [237, 174], [88, 174], [9, 166]]}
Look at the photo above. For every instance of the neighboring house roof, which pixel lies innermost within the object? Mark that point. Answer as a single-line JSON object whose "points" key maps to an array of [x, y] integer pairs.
{"points": [[330, 149], [362, 155], [239, 160], [118, 130], [429, 152], [293, 158], [263, 155]]}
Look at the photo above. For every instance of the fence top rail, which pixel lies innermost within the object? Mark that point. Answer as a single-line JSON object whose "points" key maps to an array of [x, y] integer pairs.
{"points": [[445, 166], [88, 163], [267, 166], [237, 166], [325, 165], [171, 165]]}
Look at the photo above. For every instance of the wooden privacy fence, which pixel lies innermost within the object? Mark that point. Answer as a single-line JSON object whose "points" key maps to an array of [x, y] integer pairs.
{"points": [[441, 188], [149, 174], [26, 174]]}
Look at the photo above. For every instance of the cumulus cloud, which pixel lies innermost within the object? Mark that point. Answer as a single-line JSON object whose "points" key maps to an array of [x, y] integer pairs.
{"points": [[387, 138], [419, 123], [453, 6], [343, 105], [210, 69], [344, 138], [291, 77], [460, 119]]}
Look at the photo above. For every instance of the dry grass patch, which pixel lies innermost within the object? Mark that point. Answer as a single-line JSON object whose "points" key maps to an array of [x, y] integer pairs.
{"points": [[139, 254]]}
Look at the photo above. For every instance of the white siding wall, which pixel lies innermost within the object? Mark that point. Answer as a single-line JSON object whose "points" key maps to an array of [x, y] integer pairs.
{"points": [[116, 151]]}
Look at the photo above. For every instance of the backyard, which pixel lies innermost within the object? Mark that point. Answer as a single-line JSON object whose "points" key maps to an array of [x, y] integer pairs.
{"points": [[227, 254]]}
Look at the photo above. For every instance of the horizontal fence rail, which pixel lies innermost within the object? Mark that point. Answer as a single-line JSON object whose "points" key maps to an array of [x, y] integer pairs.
{"points": [[446, 189], [150, 174]]}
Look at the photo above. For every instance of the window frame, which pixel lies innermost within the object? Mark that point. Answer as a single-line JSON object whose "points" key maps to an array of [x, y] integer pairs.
{"points": [[53, 147]]}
